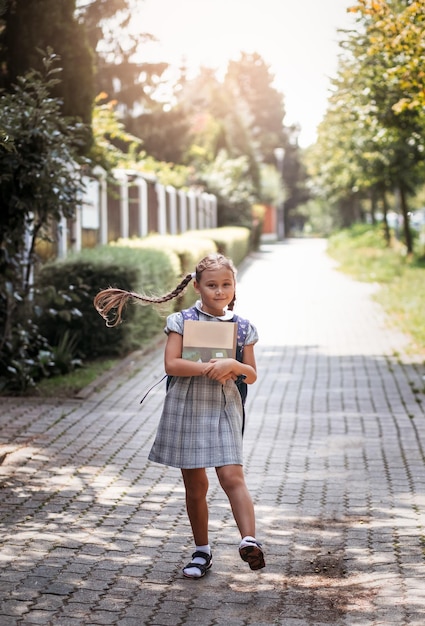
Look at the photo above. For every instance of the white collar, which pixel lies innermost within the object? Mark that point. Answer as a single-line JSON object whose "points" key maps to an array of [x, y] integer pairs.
{"points": [[228, 315]]}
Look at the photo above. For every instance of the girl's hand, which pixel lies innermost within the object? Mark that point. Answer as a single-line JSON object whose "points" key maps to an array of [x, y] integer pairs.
{"points": [[220, 370], [229, 369]]}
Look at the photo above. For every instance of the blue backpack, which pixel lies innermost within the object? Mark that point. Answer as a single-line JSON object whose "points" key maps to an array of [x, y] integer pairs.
{"points": [[193, 314]]}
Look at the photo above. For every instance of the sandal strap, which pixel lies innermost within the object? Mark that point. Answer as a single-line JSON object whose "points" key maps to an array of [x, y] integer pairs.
{"points": [[202, 555], [202, 567]]}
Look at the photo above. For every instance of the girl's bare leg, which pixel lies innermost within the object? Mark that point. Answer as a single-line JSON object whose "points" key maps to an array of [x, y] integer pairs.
{"points": [[232, 480], [196, 485]]}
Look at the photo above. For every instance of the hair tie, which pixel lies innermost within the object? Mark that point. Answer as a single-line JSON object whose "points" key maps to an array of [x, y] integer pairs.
{"points": [[193, 274]]}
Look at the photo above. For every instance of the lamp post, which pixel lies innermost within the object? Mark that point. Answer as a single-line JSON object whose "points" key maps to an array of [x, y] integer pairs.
{"points": [[279, 154]]}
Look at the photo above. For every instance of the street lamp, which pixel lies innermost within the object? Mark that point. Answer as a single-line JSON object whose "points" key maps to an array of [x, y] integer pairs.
{"points": [[279, 154]]}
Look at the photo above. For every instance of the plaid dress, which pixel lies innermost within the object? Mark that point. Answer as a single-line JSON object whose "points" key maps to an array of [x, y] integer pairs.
{"points": [[201, 421]]}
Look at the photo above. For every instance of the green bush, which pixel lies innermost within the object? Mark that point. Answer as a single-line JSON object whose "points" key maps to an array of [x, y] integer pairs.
{"points": [[72, 330], [67, 289], [189, 250], [38, 186], [153, 265], [360, 236], [363, 253], [232, 241]]}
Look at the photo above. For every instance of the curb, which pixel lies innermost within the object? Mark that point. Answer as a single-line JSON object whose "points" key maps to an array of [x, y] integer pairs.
{"points": [[127, 363]]}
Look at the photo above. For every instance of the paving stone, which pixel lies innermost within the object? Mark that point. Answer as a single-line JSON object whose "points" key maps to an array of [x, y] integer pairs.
{"points": [[93, 533]]}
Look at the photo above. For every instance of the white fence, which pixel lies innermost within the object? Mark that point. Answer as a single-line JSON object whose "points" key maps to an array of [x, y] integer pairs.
{"points": [[133, 205]]}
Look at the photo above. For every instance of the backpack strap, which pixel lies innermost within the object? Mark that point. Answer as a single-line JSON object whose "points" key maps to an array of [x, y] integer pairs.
{"points": [[242, 333], [190, 314], [153, 387], [240, 343]]}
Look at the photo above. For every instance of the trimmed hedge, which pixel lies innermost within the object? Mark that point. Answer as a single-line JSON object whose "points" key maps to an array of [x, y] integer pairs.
{"points": [[67, 289], [189, 250], [153, 265], [232, 241]]}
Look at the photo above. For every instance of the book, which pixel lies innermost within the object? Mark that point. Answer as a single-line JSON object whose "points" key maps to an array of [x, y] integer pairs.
{"points": [[203, 341]]}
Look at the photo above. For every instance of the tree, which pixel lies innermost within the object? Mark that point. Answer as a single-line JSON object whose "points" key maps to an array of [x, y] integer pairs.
{"points": [[251, 82], [295, 181], [119, 71], [241, 116], [165, 133], [373, 144], [34, 25], [392, 66], [113, 145], [396, 32], [214, 119], [95, 13], [38, 185], [229, 180]]}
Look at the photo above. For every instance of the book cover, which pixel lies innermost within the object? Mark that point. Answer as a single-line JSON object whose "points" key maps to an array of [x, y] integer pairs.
{"points": [[203, 341]]}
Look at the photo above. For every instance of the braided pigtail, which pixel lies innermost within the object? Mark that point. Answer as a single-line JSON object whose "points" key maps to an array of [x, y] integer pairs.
{"points": [[231, 304], [109, 303], [178, 290]]}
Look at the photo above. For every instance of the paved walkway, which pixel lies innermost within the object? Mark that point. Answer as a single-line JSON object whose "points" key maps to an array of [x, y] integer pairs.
{"points": [[92, 533]]}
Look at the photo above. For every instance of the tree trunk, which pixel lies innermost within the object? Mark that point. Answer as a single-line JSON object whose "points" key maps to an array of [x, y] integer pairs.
{"points": [[385, 211], [406, 221], [373, 205]]}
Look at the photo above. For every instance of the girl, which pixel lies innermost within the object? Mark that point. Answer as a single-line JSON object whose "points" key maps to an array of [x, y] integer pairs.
{"points": [[202, 419]]}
